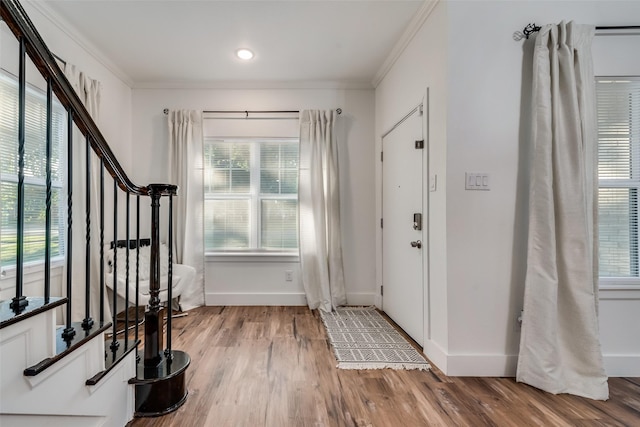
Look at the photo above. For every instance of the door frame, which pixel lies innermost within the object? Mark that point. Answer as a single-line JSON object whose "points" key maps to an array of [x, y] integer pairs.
{"points": [[427, 182]]}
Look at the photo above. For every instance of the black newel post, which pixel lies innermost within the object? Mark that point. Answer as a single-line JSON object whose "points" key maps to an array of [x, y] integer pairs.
{"points": [[153, 317], [160, 380]]}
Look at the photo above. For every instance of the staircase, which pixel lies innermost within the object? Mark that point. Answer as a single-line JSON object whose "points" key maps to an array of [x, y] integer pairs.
{"points": [[59, 395], [59, 368]]}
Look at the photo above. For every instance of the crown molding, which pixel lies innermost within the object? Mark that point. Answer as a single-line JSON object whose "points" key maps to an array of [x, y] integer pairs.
{"points": [[72, 32], [409, 33], [257, 85]]}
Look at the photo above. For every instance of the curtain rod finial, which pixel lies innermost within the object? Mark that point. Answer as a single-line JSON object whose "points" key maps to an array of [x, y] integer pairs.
{"points": [[530, 29]]}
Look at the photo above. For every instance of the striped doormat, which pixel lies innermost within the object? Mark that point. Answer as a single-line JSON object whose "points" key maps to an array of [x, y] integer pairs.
{"points": [[362, 339]]}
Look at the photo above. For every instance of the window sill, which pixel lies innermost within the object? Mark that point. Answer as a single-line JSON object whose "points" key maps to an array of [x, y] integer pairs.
{"points": [[29, 268], [619, 283], [33, 273], [619, 289], [252, 257]]}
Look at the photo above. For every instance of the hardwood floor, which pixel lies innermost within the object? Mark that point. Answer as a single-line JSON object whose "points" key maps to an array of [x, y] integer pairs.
{"points": [[273, 366]]}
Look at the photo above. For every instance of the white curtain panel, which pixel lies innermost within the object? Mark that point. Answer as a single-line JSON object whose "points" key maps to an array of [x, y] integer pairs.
{"points": [[319, 204], [186, 171], [89, 91], [559, 348]]}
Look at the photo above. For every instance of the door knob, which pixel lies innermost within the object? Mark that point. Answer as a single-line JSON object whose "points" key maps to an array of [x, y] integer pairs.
{"points": [[416, 244]]}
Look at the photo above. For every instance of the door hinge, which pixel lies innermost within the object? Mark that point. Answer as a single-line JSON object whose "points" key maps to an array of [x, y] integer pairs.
{"points": [[381, 222], [382, 156], [381, 290], [420, 144]]}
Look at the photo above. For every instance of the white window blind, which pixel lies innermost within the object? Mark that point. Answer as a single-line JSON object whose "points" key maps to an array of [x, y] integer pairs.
{"points": [[618, 109], [251, 195], [34, 172]]}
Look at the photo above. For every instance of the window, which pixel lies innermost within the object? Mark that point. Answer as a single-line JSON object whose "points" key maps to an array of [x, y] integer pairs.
{"points": [[34, 174], [251, 195], [618, 109]]}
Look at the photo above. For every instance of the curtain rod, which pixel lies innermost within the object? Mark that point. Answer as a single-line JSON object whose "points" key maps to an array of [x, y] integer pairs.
{"points": [[59, 59], [533, 28], [247, 112]]}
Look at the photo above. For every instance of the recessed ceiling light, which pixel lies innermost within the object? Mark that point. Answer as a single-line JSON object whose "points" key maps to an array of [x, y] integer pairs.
{"points": [[245, 54]]}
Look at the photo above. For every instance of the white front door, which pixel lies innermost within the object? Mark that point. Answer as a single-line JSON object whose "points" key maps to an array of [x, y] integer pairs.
{"points": [[402, 240]]}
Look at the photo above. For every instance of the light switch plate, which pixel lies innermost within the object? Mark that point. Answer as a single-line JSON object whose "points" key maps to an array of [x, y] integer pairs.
{"points": [[433, 182], [476, 181]]}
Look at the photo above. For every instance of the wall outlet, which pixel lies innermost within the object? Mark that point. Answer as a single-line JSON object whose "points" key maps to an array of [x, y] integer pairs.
{"points": [[288, 275], [517, 324], [519, 319]]}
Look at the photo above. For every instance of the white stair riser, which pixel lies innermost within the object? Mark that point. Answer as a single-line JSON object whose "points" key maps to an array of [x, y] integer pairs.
{"points": [[59, 391], [51, 421]]}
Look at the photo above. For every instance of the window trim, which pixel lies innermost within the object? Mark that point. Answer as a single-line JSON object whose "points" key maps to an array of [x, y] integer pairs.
{"points": [[609, 284], [270, 256], [253, 254], [30, 267]]}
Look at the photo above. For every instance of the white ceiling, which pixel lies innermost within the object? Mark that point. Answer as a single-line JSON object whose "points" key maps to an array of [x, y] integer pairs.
{"points": [[192, 43]]}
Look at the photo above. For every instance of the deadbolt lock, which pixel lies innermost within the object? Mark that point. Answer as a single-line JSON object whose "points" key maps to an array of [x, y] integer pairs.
{"points": [[416, 244], [417, 221]]}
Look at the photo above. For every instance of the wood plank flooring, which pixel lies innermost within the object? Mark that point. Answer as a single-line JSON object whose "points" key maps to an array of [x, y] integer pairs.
{"points": [[273, 367]]}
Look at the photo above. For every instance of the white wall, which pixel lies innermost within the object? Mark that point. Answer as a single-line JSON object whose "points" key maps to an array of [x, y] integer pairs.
{"points": [[485, 237], [257, 281], [423, 65]]}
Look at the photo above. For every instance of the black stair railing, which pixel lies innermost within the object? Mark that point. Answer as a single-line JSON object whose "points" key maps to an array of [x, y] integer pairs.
{"points": [[160, 380], [19, 301]]}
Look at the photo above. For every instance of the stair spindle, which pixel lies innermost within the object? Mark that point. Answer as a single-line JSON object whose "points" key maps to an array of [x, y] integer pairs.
{"points": [[167, 351], [69, 331], [47, 208], [137, 264], [114, 310], [126, 286], [101, 241], [87, 323], [19, 302]]}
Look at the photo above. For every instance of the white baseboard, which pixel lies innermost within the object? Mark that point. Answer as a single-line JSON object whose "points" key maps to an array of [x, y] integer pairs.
{"points": [[228, 298], [436, 355], [502, 365], [481, 365], [361, 298], [294, 298], [470, 365], [622, 365]]}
